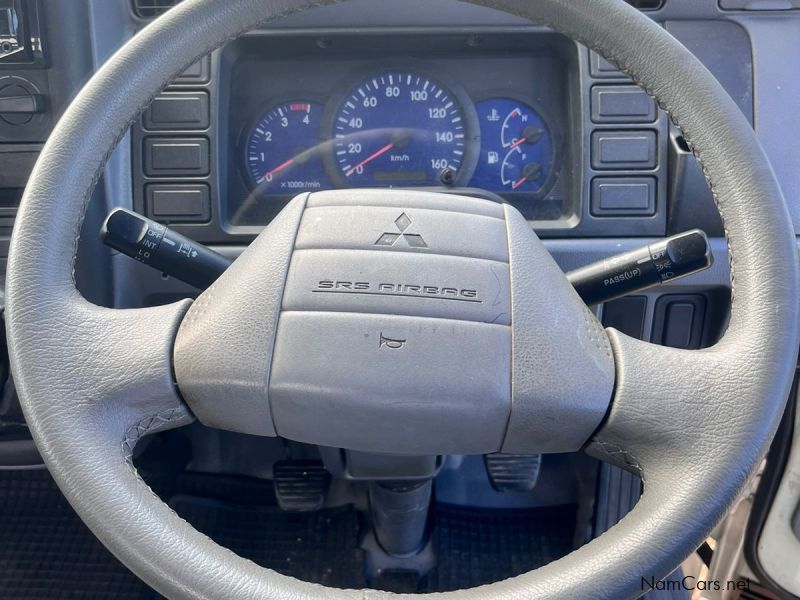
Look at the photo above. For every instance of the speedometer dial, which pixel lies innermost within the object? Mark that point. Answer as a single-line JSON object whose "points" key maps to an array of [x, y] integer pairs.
{"points": [[402, 129]]}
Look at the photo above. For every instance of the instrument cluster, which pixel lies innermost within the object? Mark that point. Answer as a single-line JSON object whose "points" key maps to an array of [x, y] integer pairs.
{"points": [[401, 128], [495, 115]]}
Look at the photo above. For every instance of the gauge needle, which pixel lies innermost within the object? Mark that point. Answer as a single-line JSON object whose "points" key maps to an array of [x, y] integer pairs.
{"points": [[519, 182], [278, 169], [530, 170], [531, 134], [370, 158]]}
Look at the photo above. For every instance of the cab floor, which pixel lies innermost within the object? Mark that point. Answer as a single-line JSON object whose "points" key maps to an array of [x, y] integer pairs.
{"points": [[47, 552]]}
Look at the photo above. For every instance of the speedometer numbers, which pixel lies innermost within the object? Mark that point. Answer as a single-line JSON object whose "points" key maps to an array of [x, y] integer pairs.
{"points": [[400, 129], [284, 151], [517, 148]]}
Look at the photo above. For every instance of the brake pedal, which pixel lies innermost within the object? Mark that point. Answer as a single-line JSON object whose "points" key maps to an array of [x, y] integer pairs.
{"points": [[513, 472], [300, 485]]}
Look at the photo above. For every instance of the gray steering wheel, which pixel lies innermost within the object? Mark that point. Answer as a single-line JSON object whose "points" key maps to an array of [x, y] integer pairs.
{"points": [[692, 424]]}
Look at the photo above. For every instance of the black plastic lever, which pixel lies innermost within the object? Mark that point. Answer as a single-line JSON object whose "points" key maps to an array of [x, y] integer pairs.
{"points": [[161, 248], [660, 262]]}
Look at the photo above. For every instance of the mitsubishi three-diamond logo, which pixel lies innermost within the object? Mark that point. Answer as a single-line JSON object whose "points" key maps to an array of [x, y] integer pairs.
{"points": [[403, 222]]}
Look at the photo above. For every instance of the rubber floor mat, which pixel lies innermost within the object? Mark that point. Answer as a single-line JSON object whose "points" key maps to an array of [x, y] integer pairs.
{"points": [[319, 547], [473, 546], [479, 546], [46, 552]]}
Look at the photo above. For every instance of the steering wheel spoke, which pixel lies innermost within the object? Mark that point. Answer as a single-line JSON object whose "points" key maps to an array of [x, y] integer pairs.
{"points": [[660, 397], [141, 387], [120, 366]]}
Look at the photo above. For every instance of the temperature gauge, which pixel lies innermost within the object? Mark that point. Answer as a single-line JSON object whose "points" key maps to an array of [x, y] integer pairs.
{"points": [[517, 153]]}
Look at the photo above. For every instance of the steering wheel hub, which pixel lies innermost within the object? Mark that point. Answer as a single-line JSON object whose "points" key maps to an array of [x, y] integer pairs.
{"points": [[402, 323]]}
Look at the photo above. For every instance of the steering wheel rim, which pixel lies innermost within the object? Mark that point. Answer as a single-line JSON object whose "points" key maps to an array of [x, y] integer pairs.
{"points": [[92, 381]]}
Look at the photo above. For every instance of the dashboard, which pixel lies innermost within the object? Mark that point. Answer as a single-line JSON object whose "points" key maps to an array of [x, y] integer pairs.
{"points": [[511, 114]]}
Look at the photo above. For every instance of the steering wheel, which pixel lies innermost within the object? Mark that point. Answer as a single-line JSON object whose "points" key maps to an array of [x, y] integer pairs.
{"points": [[497, 353]]}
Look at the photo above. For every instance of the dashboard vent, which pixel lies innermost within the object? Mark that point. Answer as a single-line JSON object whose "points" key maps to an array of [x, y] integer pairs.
{"points": [[646, 4], [149, 9]]}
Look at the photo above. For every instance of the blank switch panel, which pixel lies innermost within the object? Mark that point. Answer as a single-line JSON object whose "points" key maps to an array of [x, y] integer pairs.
{"points": [[624, 150], [622, 104]]}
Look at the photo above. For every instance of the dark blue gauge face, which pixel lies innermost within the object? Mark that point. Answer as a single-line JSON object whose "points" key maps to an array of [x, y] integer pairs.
{"points": [[399, 129], [284, 154], [517, 152]]}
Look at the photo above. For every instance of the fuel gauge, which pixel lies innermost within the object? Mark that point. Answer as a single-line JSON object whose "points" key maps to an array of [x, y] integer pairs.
{"points": [[517, 152]]}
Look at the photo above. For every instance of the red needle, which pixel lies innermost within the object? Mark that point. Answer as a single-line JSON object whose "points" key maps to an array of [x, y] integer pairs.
{"points": [[383, 150], [278, 169], [518, 143], [519, 182]]}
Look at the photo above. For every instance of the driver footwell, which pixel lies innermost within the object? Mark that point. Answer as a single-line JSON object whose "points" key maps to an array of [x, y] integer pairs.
{"points": [[46, 552], [471, 546]]}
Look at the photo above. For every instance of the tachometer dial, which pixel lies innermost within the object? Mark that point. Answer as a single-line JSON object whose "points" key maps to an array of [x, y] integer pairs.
{"points": [[517, 152], [402, 129], [284, 150]]}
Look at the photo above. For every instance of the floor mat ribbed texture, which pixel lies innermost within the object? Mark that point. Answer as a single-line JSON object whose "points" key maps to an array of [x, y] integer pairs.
{"points": [[479, 546], [473, 546], [320, 547], [47, 552]]}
